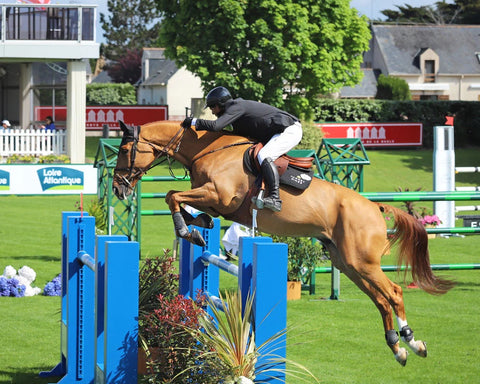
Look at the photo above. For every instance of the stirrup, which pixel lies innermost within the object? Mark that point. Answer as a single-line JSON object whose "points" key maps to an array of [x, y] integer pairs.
{"points": [[258, 200], [272, 204]]}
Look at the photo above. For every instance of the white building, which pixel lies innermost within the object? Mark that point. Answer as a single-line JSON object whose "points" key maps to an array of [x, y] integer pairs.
{"points": [[163, 83]]}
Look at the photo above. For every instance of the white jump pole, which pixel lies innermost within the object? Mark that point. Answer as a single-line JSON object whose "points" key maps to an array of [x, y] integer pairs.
{"points": [[444, 173]]}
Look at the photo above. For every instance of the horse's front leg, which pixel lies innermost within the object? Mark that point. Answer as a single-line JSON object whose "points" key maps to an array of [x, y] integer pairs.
{"points": [[181, 218]]}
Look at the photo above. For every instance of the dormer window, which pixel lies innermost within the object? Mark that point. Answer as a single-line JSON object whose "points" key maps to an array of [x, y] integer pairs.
{"points": [[429, 71]]}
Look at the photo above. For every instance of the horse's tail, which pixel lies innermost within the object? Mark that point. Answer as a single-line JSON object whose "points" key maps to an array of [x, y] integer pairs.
{"points": [[413, 251]]}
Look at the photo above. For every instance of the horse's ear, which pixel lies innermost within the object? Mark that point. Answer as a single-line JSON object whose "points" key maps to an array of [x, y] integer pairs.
{"points": [[123, 126]]}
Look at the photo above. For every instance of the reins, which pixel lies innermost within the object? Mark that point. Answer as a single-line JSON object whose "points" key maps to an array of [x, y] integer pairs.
{"points": [[221, 148]]}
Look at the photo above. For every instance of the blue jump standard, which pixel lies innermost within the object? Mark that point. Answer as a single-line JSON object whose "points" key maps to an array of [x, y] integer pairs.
{"points": [[99, 316]]}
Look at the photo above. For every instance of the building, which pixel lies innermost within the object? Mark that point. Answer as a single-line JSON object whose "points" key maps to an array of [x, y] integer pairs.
{"points": [[38, 45], [439, 62], [163, 83]]}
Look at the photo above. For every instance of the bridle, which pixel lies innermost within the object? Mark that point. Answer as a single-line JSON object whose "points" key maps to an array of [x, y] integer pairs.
{"points": [[136, 172]]}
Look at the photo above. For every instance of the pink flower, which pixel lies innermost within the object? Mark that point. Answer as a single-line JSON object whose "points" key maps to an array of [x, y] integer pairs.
{"points": [[430, 220]]}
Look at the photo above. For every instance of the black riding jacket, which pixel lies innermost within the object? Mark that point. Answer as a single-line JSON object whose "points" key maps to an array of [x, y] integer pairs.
{"points": [[250, 119]]}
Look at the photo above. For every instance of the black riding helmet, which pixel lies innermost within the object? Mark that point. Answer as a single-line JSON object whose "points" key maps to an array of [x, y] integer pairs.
{"points": [[218, 95]]}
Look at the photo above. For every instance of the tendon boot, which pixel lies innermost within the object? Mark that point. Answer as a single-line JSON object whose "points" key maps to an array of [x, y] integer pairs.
{"points": [[272, 181]]}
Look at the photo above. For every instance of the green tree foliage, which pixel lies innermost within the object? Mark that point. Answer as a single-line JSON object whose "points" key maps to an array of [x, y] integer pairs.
{"points": [[130, 24], [459, 12], [111, 94], [284, 53], [392, 88]]}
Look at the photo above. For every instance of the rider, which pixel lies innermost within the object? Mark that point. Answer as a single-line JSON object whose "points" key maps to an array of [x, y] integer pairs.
{"points": [[278, 130]]}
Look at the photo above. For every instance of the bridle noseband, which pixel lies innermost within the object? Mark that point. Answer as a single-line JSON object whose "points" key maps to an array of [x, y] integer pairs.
{"points": [[133, 171]]}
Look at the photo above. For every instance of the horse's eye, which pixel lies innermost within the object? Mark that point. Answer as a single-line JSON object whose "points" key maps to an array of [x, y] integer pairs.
{"points": [[123, 150]]}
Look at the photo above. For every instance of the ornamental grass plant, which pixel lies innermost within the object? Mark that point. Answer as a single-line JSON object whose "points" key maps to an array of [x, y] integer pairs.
{"points": [[228, 339]]}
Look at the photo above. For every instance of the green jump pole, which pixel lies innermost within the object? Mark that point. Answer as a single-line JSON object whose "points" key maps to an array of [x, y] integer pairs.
{"points": [[165, 178], [153, 195], [153, 212], [394, 268], [422, 196]]}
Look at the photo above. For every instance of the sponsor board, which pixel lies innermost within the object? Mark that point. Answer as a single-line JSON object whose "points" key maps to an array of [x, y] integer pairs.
{"points": [[96, 117], [48, 179], [376, 134]]}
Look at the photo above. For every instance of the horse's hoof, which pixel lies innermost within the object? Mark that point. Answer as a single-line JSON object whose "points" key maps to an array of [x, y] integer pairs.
{"points": [[421, 349], [196, 238], [401, 356], [206, 220]]}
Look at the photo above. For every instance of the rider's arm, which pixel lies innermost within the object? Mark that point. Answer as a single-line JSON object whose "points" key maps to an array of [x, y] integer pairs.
{"points": [[231, 114]]}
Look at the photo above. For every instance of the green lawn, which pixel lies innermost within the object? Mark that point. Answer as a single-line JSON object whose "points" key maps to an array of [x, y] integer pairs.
{"points": [[340, 341]]}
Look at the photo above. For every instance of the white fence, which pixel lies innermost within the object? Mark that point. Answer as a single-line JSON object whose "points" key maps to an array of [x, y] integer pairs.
{"points": [[34, 142]]}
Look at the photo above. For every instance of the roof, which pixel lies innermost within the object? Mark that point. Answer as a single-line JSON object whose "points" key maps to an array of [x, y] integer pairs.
{"points": [[367, 88], [160, 68], [455, 45]]}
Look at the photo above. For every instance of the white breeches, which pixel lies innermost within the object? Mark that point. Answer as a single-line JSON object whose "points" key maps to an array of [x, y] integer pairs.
{"points": [[281, 142]]}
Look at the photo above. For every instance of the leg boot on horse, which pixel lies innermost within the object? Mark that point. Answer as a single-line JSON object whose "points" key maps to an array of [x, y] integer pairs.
{"points": [[272, 180]]}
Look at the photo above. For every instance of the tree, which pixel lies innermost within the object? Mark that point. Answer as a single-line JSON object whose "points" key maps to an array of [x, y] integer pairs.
{"points": [[460, 12], [392, 88], [128, 68], [131, 24], [285, 53]]}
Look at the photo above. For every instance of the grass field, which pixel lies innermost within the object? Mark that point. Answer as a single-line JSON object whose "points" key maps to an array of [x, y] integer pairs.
{"points": [[339, 341]]}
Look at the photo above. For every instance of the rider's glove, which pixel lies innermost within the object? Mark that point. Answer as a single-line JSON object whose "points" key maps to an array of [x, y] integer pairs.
{"points": [[187, 123]]}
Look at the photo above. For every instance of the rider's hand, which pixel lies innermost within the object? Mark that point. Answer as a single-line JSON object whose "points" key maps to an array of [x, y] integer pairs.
{"points": [[187, 123]]}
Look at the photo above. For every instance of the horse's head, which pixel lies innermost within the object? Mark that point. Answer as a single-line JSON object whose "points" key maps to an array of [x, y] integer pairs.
{"points": [[134, 158]]}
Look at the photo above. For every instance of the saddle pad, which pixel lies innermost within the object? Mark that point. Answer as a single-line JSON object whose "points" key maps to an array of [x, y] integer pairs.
{"points": [[299, 178]]}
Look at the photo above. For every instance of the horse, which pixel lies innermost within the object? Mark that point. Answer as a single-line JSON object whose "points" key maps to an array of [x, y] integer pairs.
{"points": [[351, 227]]}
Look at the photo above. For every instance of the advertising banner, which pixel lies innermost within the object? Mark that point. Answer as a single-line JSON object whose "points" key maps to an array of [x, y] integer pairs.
{"points": [[97, 116], [48, 179], [376, 134]]}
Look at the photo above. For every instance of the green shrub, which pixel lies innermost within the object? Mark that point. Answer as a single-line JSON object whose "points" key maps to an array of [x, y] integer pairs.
{"points": [[21, 159], [111, 94], [392, 88], [48, 159]]}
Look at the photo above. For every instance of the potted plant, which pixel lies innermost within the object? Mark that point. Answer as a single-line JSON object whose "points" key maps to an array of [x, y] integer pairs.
{"points": [[430, 221]]}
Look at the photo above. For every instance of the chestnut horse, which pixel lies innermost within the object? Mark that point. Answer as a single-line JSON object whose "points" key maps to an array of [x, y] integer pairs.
{"points": [[351, 227]]}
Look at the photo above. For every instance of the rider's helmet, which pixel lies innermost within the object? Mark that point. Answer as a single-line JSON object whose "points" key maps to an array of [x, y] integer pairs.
{"points": [[217, 96]]}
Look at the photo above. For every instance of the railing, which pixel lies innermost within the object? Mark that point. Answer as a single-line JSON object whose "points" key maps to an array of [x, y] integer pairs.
{"points": [[47, 22], [35, 142]]}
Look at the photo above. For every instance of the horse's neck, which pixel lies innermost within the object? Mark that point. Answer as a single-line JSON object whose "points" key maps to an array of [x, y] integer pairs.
{"points": [[196, 144]]}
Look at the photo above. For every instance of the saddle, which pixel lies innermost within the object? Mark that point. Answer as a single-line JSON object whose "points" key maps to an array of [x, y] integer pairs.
{"points": [[296, 172]]}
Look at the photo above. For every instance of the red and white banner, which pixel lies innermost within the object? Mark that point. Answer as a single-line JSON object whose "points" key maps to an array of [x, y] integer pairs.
{"points": [[376, 134], [97, 116]]}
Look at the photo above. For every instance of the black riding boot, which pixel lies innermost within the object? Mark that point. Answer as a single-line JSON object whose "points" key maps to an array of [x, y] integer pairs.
{"points": [[272, 181]]}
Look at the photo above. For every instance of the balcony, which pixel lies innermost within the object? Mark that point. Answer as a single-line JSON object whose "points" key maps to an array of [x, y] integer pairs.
{"points": [[47, 32]]}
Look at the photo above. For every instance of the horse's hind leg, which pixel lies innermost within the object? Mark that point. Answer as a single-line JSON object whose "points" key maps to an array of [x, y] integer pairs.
{"points": [[385, 310], [201, 220], [367, 274], [381, 289]]}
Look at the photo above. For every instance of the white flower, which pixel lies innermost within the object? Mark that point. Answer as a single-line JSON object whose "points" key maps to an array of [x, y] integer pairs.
{"points": [[28, 273], [9, 272], [31, 291], [22, 280]]}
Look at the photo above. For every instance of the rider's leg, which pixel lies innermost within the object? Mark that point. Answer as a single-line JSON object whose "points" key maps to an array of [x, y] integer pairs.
{"points": [[272, 181], [278, 145]]}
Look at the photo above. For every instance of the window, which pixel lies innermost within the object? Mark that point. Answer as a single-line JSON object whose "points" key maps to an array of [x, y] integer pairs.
{"points": [[429, 71]]}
